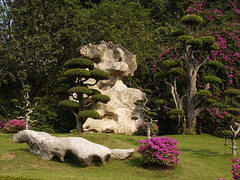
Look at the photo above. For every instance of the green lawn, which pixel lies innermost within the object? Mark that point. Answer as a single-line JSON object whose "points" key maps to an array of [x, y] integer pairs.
{"points": [[202, 158]]}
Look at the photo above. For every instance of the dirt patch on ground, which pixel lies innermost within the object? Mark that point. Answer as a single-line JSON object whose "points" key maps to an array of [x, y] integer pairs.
{"points": [[157, 167], [7, 156]]}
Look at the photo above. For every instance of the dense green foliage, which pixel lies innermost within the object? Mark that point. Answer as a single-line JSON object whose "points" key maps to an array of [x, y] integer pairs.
{"points": [[82, 96], [37, 39]]}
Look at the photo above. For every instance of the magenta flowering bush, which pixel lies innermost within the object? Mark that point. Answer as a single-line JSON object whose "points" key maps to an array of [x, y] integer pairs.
{"points": [[161, 150], [236, 168], [14, 126]]}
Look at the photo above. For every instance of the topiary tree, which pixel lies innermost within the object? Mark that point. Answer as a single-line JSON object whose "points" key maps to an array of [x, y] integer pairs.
{"points": [[180, 73], [26, 108], [149, 113], [80, 76], [232, 97]]}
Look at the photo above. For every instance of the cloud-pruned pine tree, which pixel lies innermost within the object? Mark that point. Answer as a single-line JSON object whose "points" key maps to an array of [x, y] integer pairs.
{"points": [[80, 76]]}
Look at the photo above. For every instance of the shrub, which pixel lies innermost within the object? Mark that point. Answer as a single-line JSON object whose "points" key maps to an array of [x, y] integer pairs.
{"points": [[98, 74], [80, 90], [236, 168], [89, 113], [71, 104], [1, 125], [213, 79], [14, 126], [226, 133], [79, 63], [101, 98], [161, 150], [177, 33], [142, 129], [204, 93], [191, 20], [184, 38], [77, 72]]}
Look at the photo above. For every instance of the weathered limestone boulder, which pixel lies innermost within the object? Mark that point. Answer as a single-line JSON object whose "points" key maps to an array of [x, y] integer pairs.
{"points": [[116, 115], [83, 151], [112, 58]]}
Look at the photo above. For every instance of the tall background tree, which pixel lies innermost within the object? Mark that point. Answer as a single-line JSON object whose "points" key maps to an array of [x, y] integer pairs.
{"points": [[38, 37]]}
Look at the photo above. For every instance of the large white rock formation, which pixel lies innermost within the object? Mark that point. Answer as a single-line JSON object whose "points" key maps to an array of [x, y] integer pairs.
{"points": [[116, 115], [83, 151]]}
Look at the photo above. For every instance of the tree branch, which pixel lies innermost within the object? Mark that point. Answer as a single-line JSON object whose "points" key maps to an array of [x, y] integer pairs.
{"points": [[173, 93]]}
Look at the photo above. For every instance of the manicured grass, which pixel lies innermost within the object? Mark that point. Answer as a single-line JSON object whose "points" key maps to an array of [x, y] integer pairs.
{"points": [[202, 159]]}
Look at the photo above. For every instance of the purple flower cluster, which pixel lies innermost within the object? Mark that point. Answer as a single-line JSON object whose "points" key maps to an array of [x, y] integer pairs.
{"points": [[13, 126], [236, 168], [236, 9], [161, 150]]}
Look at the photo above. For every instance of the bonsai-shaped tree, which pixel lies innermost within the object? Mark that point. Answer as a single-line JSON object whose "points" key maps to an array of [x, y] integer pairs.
{"points": [[188, 100], [26, 108], [148, 113], [232, 97], [80, 75]]}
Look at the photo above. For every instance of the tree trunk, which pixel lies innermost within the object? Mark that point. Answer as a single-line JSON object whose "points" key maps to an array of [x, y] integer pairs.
{"points": [[27, 118], [234, 147], [148, 131], [192, 124], [79, 125]]}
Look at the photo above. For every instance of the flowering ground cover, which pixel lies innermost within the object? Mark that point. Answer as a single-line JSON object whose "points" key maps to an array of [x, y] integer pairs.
{"points": [[202, 158]]}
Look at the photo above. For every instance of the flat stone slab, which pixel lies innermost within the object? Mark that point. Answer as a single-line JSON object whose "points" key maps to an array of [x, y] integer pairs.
{"points": [[83, 151]]}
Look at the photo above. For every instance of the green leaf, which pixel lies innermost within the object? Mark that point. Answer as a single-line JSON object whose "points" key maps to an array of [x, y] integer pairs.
{"points": [[79, 63], [26, 90], [196, 43], [172, 63], [14, 101], [213, 79], [204, 93], [99, 74], [207, 40], [80, 90], [160, 102], [176, 71], [191, 20], [184, 38], [176, 112], [26, 87], [77, 72], [151, 114], [232, 92], [177, 33], [100, 98], [88, 114], [69, 104], [210, 101], [217, 64], [147, 91]]}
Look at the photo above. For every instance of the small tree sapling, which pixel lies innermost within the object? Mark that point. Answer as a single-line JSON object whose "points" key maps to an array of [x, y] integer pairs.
{"points": [[232, 96], [148, 113], [26, 107]]}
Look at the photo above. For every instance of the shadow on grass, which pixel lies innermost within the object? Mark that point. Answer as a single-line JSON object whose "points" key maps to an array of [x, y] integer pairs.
{"points": [[202, 152], [24, 150], [136, 162]]}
